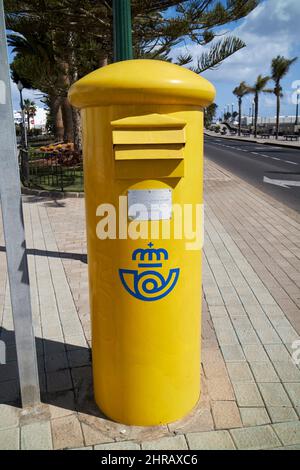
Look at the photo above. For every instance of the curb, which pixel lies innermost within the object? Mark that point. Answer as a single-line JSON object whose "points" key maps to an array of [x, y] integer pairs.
{"points": [[257, 141], [53, 194]]}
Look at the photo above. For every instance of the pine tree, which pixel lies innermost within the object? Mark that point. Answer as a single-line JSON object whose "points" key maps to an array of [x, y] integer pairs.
{"points": [[76, 37]]}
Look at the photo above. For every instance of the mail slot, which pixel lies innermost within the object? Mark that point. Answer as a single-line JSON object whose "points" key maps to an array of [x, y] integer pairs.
{"points": [[142, 123]]}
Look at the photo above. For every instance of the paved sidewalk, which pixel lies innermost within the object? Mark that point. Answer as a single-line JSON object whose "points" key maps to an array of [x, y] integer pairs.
{"points": [[250, 386], [271, 141]]}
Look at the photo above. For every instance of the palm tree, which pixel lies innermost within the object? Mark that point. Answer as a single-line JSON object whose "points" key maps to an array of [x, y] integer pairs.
{"points": [[30, 110], [257, 89], [240, 91], [39, 48], [279, 68]]}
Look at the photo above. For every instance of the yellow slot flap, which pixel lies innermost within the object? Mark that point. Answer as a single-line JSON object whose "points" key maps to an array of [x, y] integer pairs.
{"points": [[148, 152], [149, 129]]}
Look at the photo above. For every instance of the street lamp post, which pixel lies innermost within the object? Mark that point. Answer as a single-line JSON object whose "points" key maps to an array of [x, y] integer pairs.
{"points": [[24, 131], [122, 30], [297, 106]]}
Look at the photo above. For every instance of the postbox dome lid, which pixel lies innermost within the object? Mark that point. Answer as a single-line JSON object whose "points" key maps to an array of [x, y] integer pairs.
{"points": [[141, 81]]}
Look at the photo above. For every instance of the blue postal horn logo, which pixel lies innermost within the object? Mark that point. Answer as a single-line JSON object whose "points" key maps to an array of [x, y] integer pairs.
{"points": [[147, 282]]}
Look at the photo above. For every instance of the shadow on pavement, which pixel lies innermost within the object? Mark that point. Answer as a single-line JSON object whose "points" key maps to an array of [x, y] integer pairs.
{"points": [[54, 254], [65, 375]]}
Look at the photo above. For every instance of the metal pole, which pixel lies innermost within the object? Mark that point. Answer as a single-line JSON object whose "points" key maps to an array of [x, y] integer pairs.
{"points": [[122, 30], [13, 224], [23, 119], [297, 107]]}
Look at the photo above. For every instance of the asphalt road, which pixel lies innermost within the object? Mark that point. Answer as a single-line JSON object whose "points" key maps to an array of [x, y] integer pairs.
{"points": [[274, 170]]}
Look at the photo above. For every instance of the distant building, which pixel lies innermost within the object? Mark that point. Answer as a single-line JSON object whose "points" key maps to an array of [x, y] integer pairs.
{"points": [[38, 122], [247, 120]]}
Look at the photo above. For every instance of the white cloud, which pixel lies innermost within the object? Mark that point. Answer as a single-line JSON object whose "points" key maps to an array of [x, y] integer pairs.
{"points": [[34, 95], [269, 30]]}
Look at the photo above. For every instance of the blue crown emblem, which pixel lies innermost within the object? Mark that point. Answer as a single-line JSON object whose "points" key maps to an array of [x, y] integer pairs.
{"points": [[148, 283]]}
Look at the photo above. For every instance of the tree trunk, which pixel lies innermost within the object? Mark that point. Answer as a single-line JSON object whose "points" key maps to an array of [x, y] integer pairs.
{"points": [[77, 129], [240, 115], [55, 111], [103, 62], [255, 114], [28, 122], [67, 117], [277, 113]]}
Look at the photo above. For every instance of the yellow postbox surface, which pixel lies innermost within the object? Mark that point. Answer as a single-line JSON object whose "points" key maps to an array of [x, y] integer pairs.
{"points": [[142, 124]]}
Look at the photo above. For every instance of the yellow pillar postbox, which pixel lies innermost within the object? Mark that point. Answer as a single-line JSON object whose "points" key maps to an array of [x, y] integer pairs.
{"points": [[142, 124]]}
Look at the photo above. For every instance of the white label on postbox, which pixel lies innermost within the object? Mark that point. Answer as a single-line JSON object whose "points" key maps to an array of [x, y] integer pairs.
{"points": [[150, 204]]}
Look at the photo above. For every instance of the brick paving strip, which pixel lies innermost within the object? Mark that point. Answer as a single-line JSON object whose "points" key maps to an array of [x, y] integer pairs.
{"points": [[250, 386]]}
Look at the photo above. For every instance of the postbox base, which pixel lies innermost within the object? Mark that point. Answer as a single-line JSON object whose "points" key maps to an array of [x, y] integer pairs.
{"points": [[148, 419]]}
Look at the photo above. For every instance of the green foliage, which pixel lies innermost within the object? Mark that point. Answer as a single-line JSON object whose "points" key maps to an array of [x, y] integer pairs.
{"points": [[219, 51], [80, 33], [241, 90], [58, 41], [260, 85], [209, 114], [279, 68], [258, 88]]}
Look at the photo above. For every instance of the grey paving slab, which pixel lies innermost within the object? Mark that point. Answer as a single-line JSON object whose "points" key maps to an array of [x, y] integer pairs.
{"points": [[82, 448], [278, 352], [254, 416], [59, 381], [36, 436], [9, 416], [239, 372], [293, 390], [9, 439], [55, 362], [122, 445], [287, 371], [166, 443], [264, 372], [212, 440], [296, 447], [274, 394], [288, 433], [9, 391], [288, 334], [233, 353], [282, 413], [247, 394], [78, 358], [255, 437], [255, 353]]}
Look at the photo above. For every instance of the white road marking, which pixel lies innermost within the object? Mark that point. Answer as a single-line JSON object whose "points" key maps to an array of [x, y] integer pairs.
{"points": [[282, 183], [257, 153]]}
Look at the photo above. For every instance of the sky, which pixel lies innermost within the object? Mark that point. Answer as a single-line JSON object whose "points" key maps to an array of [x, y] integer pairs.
{"points": [[271, 29]]}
